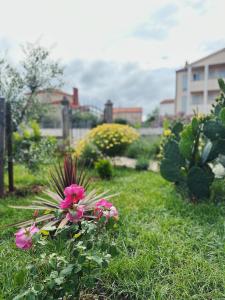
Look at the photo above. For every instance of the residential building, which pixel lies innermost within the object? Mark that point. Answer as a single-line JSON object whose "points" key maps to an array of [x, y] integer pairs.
{"points": [[53, 115], [196, 84], [167, 108], [55, 96], [132, 115]]}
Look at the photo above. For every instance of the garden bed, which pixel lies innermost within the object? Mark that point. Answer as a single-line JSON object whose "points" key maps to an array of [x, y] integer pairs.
{"points": [[168, 248]]}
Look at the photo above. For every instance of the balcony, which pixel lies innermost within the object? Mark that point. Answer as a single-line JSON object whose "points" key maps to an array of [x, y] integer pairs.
{"points": [[197, 86], [213, 85]]}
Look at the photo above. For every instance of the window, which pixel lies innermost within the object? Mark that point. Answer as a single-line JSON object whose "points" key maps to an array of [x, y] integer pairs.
{"points": [[184, 104], [212, 96], [197, 98], [197, 76], [184, 82], [217, 72]]}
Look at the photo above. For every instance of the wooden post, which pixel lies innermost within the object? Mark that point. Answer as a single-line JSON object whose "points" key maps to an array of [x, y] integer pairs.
{"points": [[2, 140], [65, 120], [9, 145]]}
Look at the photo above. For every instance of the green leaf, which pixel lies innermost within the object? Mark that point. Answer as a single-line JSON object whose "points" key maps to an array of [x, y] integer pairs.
{"points": [[198, 181], [221, 84], [195, 125], [59, 280], [96, 259], [206, 151], [170, 170], [213, 129], [186, 142], [177, 128], [222, 115], [67, 271]]}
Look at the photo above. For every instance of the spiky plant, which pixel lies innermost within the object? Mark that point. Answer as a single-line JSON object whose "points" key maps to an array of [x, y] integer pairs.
{"points": [[61, 176], [69, 173]]}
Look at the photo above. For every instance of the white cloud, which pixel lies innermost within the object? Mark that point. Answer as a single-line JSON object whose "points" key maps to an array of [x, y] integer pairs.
{"points": [[156, 34]]}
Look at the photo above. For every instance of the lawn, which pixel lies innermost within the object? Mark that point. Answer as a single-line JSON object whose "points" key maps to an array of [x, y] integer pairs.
{"points": [[168, 248]]}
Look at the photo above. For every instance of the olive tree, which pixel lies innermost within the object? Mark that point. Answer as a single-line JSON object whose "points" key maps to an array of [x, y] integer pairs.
{"points": [[20, 83]]}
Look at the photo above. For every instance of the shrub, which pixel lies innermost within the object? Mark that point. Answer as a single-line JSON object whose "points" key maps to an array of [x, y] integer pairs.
{"points": [[142, 163], [31, 149], [148, 147], [189, 150], [110, 139], [104, 168], [121, 121], [90, 155]]}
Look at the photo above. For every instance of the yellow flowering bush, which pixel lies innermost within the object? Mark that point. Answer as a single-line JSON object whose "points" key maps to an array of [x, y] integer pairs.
{"points": [[110, 139]]}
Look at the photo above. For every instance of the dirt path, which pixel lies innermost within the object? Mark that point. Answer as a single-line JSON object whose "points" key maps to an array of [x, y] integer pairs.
{"points": [[123, 161]]}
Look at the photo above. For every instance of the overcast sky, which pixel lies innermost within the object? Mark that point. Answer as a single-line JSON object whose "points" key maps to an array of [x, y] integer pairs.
{"points": [[123, 50]]}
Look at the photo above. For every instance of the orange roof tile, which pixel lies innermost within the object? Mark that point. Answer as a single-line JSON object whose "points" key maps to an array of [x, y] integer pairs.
{"points": [[167, 101]]}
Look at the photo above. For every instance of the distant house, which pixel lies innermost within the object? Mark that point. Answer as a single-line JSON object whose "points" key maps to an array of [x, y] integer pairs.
{"points": [[133, 115], [53, 115], [55, 96], [167, 108], [196, 83]]}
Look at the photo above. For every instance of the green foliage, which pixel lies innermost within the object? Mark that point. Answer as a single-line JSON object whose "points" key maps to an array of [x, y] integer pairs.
{"points": [[104, 169], [90, 155], [148, 147], [198, 181], [19, 85], [142, 163], [54, 276], [120, 121], [84, 119], [188, 151], [170, 171], [31, 149], [186, 142]]}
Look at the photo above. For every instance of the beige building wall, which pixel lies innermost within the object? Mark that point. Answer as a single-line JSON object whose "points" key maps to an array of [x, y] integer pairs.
{"points": [[196, 84], [131, 117], [52, 101]]}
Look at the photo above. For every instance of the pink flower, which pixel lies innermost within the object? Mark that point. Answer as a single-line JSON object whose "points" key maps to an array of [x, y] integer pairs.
{"points": [[106, 209], [75, 216], [66, 203], [24, 237], [73, 194], [112, 213], [103, 203]]}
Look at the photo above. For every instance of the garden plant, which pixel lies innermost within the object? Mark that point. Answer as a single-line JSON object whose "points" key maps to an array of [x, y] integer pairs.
{"points": [[104, 169], [69, 215], [189, 151], [111, 139]]}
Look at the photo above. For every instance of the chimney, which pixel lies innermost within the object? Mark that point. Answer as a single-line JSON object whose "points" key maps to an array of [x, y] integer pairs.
{"points": [[75, 97]]}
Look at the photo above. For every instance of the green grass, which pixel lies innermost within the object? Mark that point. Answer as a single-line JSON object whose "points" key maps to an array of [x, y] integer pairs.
{"points": [[168, 248]]}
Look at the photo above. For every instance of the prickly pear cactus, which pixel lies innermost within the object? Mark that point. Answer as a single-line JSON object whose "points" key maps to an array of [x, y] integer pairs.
{"points": [[199, 181], [170, 166], [190, 149]]}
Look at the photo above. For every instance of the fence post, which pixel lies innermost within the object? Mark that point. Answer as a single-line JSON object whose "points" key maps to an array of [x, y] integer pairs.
{"points": [[108, 112], [9, 145], [2, 140], [65, 120]]}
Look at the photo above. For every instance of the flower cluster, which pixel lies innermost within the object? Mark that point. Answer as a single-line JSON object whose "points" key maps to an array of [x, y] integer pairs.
{"points": [[111, 139], [74, 208]]}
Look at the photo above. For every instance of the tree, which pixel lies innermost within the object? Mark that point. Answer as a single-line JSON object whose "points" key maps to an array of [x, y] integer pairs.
{"points": [[152, 117], [84, 119], [20, 84]]}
